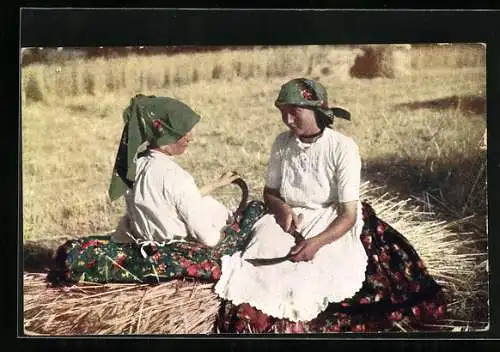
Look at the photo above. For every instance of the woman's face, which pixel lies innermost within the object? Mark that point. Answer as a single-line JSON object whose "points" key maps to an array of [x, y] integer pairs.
{"points": [[178, 147], [301, 121]]}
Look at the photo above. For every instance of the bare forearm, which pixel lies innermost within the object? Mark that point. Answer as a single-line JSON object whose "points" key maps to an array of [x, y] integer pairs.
{"points": [[335, 230], [273, 200], [338, 227]]}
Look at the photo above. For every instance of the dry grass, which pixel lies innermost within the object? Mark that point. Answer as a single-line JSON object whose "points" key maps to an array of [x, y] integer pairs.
{"points": [[53, 81], [66, 168], [71, 128], [127, 75]]}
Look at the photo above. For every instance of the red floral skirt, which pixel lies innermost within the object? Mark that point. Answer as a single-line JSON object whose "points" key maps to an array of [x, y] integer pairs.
{"points": [[398, 293]]}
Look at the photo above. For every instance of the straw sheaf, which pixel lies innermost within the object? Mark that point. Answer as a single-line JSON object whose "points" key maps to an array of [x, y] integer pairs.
{"points": [[176, 307], [189, 307]]}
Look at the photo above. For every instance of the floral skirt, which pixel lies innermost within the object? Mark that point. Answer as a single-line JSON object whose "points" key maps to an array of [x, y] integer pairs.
{"points": [[99, 259], [398, 292]]}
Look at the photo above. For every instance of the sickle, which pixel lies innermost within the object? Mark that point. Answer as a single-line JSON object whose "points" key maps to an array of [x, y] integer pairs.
{"points": [[267, 261], [244, 197], [298, 236]]}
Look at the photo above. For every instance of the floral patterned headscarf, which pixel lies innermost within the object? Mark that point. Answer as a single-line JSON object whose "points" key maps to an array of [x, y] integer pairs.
{"points": [[149, 120], [308, 93]]}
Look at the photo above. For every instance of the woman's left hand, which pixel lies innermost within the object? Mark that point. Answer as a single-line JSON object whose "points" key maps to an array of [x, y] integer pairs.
{"points": [[305, 250]]}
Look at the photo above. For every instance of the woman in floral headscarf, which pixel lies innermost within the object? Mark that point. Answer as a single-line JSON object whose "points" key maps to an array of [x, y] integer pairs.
{"points": [[320, 260], [163, 202]]}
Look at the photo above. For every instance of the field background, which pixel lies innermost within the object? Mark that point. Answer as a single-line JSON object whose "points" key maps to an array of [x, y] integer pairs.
{"points": [[418, 133]]}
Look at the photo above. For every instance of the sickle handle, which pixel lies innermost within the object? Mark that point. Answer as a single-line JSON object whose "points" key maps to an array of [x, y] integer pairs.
{"points": [[244, 197]]}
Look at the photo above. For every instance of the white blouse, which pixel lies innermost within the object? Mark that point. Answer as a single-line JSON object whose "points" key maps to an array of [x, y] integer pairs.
{"points": [[312, 178], [314, 175], [166, 205]]}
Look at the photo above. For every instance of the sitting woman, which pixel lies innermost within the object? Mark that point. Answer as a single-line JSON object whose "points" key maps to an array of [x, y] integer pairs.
{"points": [[319, 256], [163, 202], [170, 229]]}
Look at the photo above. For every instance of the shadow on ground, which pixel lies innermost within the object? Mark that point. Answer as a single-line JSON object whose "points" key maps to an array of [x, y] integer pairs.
{"points": [[472, 104], [37, 257], [452, 190], [38, 254]]}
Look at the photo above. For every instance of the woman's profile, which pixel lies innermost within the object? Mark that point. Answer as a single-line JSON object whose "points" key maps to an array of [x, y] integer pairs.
{"points": [[163, 201]]}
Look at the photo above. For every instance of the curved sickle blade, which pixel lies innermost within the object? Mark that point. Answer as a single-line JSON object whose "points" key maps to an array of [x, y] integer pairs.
{"points": [[267, 261]]}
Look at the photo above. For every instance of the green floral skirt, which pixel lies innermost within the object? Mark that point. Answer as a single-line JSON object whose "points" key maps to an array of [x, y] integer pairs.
{"points": [[99, 259]]}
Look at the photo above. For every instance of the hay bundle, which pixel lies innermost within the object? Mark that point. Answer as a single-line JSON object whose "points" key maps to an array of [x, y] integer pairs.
{"points": [[188, 307], [93, 309], [381, 61]]}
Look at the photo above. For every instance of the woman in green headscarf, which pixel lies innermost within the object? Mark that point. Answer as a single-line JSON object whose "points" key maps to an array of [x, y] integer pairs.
{"points": [[163, 202], [321, 260]]}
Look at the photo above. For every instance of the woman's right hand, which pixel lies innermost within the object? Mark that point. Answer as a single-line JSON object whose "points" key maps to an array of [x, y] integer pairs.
{"points": [[283, 213], [287, 218]]}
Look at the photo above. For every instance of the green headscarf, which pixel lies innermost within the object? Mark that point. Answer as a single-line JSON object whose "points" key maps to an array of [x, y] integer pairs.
{"points": [[149, 120], [311, 94]]}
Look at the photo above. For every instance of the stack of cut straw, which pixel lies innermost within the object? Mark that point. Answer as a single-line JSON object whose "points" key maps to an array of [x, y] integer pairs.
{"points": [[174, 307]]}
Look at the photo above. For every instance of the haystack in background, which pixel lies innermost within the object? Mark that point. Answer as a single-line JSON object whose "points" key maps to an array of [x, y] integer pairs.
{"points": [[189, 307], [388, 61], [328, 64]]}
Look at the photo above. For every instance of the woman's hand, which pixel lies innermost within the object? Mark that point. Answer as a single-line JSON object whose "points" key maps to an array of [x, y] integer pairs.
{"points": [[305, 250], [287, 218]]}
